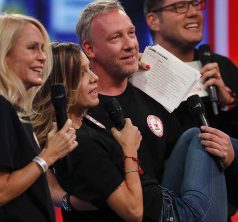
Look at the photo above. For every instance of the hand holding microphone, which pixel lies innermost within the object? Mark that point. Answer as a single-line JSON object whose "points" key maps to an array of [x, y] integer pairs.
{"points": [[115, 112], [217, 90], [197, 109], [205, 55], [126, 134], [59, 101]]}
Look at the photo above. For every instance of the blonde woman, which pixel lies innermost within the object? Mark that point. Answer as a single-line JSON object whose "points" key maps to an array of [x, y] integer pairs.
{"points": [[25, 63]]}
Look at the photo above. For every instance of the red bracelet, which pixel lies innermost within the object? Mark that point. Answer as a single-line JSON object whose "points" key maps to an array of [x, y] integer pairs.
{"points": [[137, 161]]}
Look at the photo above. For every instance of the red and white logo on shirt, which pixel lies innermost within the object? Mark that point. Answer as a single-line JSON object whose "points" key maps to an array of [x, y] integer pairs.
{"points": [[155, 125]]}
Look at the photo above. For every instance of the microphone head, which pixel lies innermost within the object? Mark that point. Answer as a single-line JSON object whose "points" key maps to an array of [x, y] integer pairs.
{"points": [[58, 98], [205, 54], [115, 112], [195, 105], [58, 95]]}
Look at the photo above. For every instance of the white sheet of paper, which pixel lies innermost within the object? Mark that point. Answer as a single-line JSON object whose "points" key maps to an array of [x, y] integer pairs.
{"points": [[169, 79], [199, 88]]}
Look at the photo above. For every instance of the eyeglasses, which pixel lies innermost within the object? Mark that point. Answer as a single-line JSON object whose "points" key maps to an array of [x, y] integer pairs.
{"points": [[183, 6]]}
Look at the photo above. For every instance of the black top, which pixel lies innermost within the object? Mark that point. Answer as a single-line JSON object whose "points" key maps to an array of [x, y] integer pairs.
{"points": [[160, 129], [98, 162], [226, 121], [18, 147], [98, 170]]}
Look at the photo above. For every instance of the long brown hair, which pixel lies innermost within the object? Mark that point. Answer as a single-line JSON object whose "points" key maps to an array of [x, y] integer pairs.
{"points": [[67, 70]]}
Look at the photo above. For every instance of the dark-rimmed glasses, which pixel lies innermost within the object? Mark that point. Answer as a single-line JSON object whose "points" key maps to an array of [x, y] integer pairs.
{"points": [[183, 6]]}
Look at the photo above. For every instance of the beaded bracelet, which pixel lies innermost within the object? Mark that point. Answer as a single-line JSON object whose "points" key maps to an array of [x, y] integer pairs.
{"points": [[137, 161], [132, 171]]}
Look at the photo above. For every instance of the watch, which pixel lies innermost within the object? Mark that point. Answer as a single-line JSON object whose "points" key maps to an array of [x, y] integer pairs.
{"points": [[65, 203]]}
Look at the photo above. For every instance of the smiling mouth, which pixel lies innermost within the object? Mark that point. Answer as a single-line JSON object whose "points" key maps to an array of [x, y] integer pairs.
{"points": [[39, 71], [131, 58], [94, 92], [192, 26]]}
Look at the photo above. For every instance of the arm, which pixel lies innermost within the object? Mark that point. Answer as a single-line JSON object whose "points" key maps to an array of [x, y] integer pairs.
{"points": [[211, 76], [218, 144], [57, 194], [14, 183], [56, 191], [127, 200]]}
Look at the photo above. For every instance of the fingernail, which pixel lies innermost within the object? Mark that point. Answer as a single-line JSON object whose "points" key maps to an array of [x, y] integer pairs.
{"points": [[147, 66]]}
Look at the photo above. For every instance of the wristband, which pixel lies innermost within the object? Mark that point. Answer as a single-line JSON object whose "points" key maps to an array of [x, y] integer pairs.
{"points": [[41, 162]]}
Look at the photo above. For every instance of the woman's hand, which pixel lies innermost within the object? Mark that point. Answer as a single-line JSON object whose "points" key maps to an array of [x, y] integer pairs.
{"points": [[60, 143], [143, 66], [129, 138]]}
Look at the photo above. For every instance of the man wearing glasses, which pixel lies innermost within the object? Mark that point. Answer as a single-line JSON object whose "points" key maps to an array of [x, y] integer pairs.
{"points": [[178, 27]]}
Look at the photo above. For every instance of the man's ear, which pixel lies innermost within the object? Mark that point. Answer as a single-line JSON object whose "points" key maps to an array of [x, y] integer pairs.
{"points": [[88, 50], [153, 21]]}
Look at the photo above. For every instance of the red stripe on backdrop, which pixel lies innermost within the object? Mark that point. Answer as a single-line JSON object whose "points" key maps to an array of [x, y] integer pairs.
{"points": [[233, 30], [211, 17]]}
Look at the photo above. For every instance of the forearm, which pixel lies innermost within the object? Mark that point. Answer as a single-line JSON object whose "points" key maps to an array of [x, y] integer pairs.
{"points": [[56, 191], [57, 194], [127, 199], [15, 183], [133, 182]]}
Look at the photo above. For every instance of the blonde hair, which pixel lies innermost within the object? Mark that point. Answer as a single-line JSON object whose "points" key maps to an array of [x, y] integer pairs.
{"points": [[11, 86], [67, 70]]}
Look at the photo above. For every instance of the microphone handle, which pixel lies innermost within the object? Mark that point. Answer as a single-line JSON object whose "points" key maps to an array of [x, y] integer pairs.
{"points": [[115, 113], [213, 97], [204, 120], [119, 124], [215, 108], [61, 117]]}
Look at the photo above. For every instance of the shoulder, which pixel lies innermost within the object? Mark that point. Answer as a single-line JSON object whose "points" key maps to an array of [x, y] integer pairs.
{"points": [[92, 137], [5, 103], [142, 98], [218, 57], [6, 108], [224, 61]]}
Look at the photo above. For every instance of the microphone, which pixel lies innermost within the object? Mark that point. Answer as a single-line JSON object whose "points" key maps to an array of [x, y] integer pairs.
{"points": [[197, 109], [59, 101], [115, 112], [205, 54]]}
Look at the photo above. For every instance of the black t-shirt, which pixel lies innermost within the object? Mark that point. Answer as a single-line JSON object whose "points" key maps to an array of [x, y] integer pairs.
{"points": [[17, 149], [97, 171], [160, 130], [226, 121]]}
